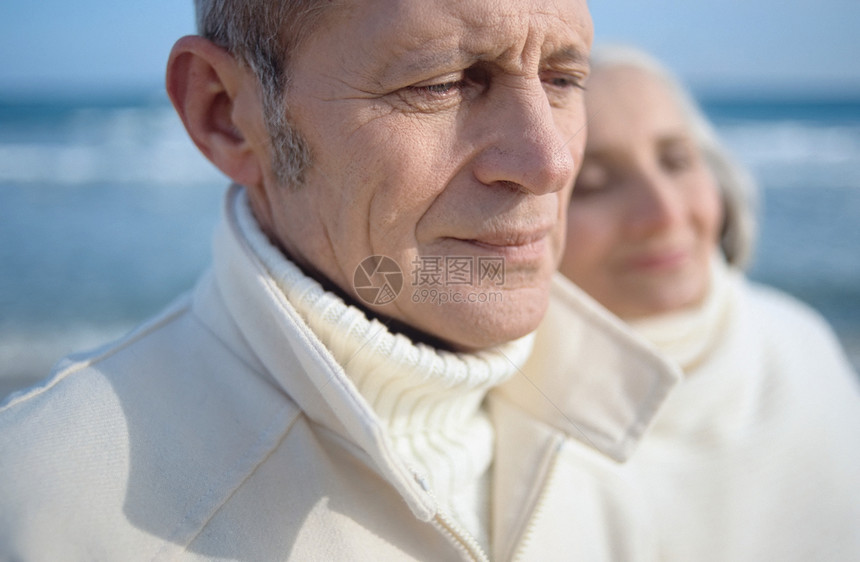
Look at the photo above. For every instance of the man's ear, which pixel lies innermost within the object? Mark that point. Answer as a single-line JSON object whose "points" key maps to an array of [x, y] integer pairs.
{"points": [[217, 100]]}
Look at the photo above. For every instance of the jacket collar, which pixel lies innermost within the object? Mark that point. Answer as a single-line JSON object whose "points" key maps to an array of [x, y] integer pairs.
{"points": [[267, 331], [589, 376]]}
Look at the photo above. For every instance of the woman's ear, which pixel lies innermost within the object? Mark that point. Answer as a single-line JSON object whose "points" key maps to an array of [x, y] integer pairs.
{"points": [[214, 96]]}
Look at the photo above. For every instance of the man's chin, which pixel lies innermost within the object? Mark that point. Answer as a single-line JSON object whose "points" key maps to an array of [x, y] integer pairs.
{"points": [[488, 319]]}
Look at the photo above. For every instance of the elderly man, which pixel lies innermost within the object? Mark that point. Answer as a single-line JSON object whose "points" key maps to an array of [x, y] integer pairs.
{"points": [[349, 381]]}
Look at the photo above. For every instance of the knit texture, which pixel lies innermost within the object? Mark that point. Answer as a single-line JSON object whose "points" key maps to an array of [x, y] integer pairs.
{"points": [[752, 456], [687, 336], [429, 401]]}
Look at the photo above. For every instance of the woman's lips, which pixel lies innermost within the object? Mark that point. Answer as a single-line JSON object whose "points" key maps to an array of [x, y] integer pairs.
{"points": [[659, 261]]}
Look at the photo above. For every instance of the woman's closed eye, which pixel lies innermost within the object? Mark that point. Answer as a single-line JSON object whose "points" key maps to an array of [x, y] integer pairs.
{"points": [[676, 156], [591, 179]]}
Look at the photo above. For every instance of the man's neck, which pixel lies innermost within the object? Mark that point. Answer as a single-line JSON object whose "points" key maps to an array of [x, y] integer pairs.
{"points": [[393, 325]]}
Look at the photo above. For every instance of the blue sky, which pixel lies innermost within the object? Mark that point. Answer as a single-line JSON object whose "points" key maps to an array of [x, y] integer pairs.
{"points": [[776, 46]]}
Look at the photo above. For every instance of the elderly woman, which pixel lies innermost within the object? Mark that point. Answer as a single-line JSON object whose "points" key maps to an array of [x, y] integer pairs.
{"points": [[755, 454]]}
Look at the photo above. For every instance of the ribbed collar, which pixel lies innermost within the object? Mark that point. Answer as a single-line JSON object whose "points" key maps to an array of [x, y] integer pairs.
{"points": [[586, 376], [416, 411], [408, 385], [687, 336]]}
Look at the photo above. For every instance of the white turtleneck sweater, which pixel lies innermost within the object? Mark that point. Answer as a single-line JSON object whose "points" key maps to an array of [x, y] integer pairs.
{"points": [[755, 452], [429, 401], [687, 336]]}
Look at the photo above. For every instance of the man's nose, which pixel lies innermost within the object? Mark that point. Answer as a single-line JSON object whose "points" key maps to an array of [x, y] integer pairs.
{"points": [[524, 145]]}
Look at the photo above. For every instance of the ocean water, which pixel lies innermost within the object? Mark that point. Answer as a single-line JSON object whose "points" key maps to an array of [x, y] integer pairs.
{"points": [[106, 213], [805, 157]]}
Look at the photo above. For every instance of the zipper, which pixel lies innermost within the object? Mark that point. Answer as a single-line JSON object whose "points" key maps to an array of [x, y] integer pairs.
{"points": [[540, 504], [461, 539]]}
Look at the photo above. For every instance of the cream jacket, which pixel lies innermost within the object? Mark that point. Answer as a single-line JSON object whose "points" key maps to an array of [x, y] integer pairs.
{"points": [[224, 430]]}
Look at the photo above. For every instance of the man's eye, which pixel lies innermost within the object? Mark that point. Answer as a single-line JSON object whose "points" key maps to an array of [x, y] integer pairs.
{"points": [[436, 96], [564, 82], [562, 88], [440, 89]]}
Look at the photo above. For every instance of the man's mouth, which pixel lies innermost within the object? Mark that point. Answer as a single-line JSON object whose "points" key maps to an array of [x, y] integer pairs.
{"points": [[514, 246]]}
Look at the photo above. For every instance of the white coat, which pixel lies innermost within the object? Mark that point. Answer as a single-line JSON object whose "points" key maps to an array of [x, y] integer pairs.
{"points": [[223, 429]]}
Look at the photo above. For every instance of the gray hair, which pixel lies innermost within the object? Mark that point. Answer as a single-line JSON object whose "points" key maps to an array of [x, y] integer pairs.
{"points": [[263, 34], [736, 184]]}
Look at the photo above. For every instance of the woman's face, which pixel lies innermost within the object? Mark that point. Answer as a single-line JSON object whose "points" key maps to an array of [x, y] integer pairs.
{"points": [[644, 220]]}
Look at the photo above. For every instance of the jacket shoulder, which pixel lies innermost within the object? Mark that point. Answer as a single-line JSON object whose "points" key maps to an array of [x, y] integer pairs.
{"points": [[140, 441], [789, 319], [800, 344]]}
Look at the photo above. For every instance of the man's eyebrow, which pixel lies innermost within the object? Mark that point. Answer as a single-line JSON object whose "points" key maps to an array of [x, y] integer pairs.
{"points": [[439, 59], [568, 55], [418, 61]]}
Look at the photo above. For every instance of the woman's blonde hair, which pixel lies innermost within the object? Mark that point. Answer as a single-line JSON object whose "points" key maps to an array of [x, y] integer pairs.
{"points": [[736, 184]]}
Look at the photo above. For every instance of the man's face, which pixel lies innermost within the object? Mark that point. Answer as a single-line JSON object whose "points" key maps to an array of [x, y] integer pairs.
{"points": [[442, 133]]}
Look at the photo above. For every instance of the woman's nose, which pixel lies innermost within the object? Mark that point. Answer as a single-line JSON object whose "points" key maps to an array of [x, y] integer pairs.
{"points": [[656, 204]]}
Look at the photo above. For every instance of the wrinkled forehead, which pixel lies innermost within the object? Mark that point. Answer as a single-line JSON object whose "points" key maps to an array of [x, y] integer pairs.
{"points": [[428, 31]]}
